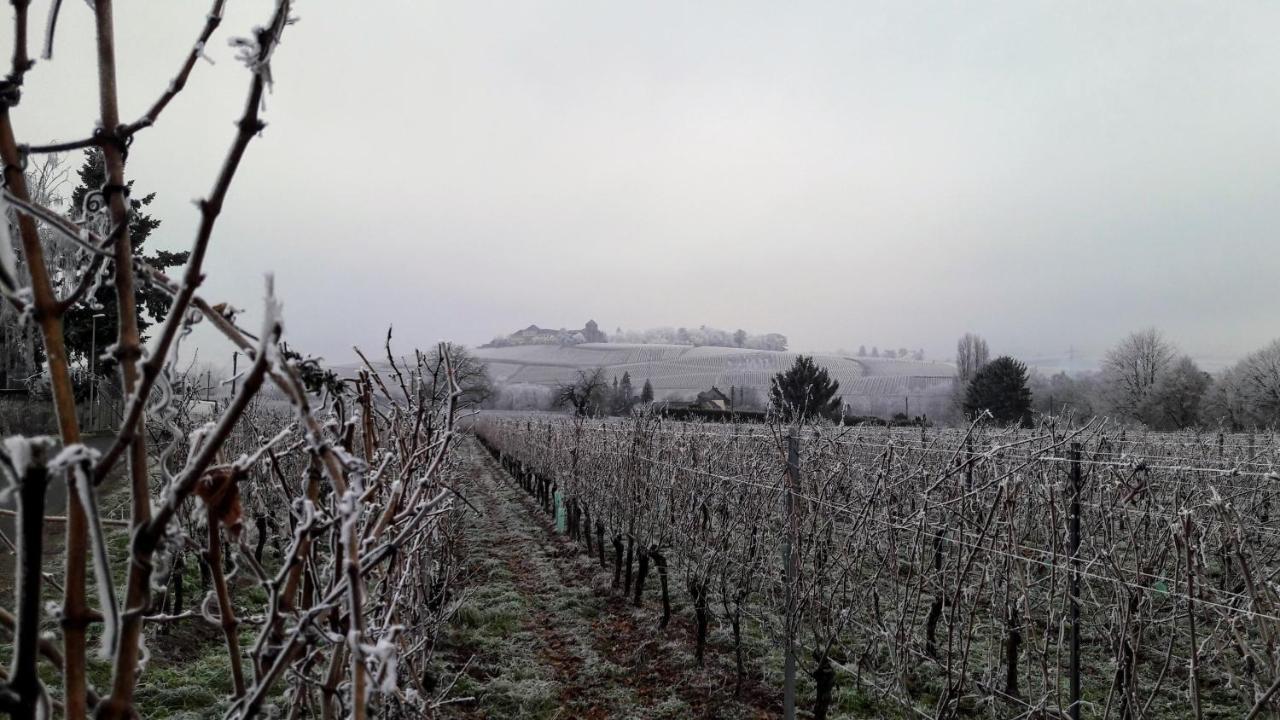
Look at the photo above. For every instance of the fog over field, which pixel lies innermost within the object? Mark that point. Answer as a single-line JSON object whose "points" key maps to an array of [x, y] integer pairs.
{"points": [[868, 386], [839, 359], [1052, 176]]}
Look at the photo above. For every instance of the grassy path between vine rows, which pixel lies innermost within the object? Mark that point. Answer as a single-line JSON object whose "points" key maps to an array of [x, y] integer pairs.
{"points": [[550, 639]]}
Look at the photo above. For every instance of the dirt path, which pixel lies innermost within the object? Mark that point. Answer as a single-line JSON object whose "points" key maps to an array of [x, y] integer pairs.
{"points": [[547, 638]]}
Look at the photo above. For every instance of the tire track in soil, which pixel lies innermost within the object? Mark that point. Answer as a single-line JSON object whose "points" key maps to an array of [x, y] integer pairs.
{"points": [[520, 534], [525, 557]]}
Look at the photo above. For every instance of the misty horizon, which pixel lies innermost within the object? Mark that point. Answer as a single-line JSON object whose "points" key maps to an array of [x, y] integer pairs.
{"points": [[1049, 177], [612, 360]]}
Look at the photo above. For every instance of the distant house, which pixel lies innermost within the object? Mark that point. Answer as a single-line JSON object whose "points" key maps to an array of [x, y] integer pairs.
{"points": [[711, 399], [534, 335], [528, 334]]}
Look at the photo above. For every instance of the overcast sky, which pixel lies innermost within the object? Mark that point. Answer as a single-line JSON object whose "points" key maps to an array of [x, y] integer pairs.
{"points": [[1050, 175]]}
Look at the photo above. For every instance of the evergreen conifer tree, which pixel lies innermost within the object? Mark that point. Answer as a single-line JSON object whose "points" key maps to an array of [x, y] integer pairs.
{"points": [[1000, 387], [805, 391], [79, 326]]}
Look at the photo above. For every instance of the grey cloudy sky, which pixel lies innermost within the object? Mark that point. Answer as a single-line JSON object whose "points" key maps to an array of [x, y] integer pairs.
{"points": [[1048, 174]]}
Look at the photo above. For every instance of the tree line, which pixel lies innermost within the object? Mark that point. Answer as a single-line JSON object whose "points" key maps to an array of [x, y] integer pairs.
{"points": [[1143, 379], [701, 336]]}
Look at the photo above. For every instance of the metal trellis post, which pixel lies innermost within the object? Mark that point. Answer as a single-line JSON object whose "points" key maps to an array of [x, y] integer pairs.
{"points": [[792, 486], [1074, 546]]}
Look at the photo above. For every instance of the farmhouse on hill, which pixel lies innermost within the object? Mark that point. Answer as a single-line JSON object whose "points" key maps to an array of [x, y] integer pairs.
{"points": [[534, 335]]}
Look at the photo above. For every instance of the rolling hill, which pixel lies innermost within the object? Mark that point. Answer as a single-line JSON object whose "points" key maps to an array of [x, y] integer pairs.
{"points": [[870, 386]]}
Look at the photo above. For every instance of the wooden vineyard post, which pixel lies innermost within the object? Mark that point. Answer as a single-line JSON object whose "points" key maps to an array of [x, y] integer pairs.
{"points": [[1073, 542], [792, 486]]}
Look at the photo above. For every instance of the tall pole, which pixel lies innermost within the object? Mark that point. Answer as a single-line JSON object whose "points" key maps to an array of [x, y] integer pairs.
{"points": [[792, 480], [93, 357], [234, 357], [1073, 542], [93, 360]]}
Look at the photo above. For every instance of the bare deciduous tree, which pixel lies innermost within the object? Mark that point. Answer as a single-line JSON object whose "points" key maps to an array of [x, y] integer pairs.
{"points": [[1173, 401], [471, 374], [1248, 393], [1132, 367], [971, 354], [586, 395]]}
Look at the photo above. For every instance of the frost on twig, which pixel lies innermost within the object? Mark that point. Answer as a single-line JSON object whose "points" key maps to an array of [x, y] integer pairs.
{"points": [[8, 261], [264, 490]]}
